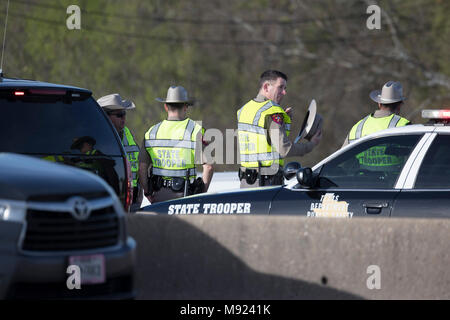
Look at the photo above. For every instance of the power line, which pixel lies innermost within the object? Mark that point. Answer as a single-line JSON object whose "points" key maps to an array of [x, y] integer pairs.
{"points": [[148, 19], [159, 19], [219, 42]]}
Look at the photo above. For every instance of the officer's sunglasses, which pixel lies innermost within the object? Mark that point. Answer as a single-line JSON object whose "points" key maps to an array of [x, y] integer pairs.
{"points": [[118, 114]]}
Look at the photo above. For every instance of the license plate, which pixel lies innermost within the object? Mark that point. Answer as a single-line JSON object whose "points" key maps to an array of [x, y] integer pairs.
{"points": [[92, 268]]}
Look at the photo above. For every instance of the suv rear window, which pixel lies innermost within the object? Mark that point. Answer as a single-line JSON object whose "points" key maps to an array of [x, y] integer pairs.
{"points": [[49, 125]]}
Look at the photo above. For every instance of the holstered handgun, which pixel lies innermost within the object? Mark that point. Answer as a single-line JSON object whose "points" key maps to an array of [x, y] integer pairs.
{"points": [[154, 183], [198, 186], [250, 175], [260, 180]]}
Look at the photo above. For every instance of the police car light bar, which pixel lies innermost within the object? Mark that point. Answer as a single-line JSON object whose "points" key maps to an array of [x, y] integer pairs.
{"points": [[436, 114]]}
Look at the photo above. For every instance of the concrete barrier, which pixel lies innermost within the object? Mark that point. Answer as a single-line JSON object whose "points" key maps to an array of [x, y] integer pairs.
{"points": [[289, 257]]}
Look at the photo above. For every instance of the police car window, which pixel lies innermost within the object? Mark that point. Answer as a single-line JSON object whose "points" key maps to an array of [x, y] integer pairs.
{"points": [[434, 172], [53, 127], [374, 164]]}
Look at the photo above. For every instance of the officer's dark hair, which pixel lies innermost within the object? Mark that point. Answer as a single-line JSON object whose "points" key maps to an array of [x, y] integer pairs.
{"points": [[175, 106], [392, 106], [271, 75]]}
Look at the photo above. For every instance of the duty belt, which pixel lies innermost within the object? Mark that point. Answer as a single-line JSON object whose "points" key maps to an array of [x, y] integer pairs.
{"points": [[176, 184], [251, 175], [167, 183]]}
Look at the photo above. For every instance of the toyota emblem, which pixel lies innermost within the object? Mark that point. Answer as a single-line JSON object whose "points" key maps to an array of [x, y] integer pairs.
{"points": [[80, 208]]}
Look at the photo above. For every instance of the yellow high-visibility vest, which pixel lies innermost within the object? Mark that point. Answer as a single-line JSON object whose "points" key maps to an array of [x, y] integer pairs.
{"points": [[255, 151], [171, 145], [132, 150], [371, 124], [375, 157]]}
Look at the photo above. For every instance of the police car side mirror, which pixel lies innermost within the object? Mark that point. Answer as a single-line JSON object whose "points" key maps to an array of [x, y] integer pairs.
{"points": [[305, 177], [290, 169]]}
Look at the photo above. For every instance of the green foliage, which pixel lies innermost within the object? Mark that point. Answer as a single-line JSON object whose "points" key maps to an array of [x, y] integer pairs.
{"points": [[217, 50]]}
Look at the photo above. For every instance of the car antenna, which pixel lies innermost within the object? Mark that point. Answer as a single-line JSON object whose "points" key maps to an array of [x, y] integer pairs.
{"points": [[4, 40]]}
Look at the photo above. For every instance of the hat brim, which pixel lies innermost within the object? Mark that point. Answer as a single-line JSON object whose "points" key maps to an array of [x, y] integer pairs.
{"points": [[126, 105], [189, 102], [376, 96], [311, 123]]}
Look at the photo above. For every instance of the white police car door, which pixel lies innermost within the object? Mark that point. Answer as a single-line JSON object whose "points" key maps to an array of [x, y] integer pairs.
{"points": [[358, 182]]}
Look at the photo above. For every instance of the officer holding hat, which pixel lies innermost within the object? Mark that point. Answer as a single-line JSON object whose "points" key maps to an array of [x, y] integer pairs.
{"points": [[171, 149], [116, 109], [264, 127], [389, 100]]}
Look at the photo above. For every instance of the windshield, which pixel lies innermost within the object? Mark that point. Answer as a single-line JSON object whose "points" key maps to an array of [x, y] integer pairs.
{"points": [[53, 126]]}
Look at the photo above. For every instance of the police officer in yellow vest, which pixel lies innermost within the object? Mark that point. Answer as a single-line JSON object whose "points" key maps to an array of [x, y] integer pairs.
{"points": [[116, 108], [264, 127], [173, 148], [389, 100]]}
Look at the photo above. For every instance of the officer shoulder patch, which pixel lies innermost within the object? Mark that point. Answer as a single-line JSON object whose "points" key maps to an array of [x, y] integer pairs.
{"points": [[278, 118]]}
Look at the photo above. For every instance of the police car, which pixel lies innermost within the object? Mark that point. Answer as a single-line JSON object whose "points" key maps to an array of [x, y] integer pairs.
{"points": [[399, 172]]}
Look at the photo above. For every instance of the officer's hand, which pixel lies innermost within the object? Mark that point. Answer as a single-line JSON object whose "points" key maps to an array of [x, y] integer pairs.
{"points": [[316, 138]]}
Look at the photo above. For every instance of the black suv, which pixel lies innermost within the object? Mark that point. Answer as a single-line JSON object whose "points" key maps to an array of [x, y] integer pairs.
{"points": [[63, 124], [63, 234]]}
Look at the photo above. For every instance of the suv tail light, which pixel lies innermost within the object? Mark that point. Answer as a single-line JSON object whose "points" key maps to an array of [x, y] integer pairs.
{"points": [[129, 183]]}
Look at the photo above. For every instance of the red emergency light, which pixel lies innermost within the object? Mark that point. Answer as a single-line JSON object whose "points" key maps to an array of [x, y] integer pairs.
{"points": [[436, 114], [445, 114]]}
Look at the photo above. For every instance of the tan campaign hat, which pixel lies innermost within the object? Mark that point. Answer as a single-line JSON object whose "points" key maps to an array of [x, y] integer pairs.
{"points": [[311, 124], [390, 93], [115, 102], [176, 94]]}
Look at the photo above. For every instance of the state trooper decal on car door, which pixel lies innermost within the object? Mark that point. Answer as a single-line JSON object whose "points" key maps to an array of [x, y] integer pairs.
{"points": [[210, 208], [329, 207]]}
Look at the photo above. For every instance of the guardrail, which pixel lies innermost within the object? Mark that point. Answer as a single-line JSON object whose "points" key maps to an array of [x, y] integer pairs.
{"points": [[290, 257]]}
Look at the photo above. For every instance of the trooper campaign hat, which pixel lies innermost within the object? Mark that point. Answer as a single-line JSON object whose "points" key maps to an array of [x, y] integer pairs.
{"points": [[311, 124], [176, 94], [115, 102], [390, 93]]}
